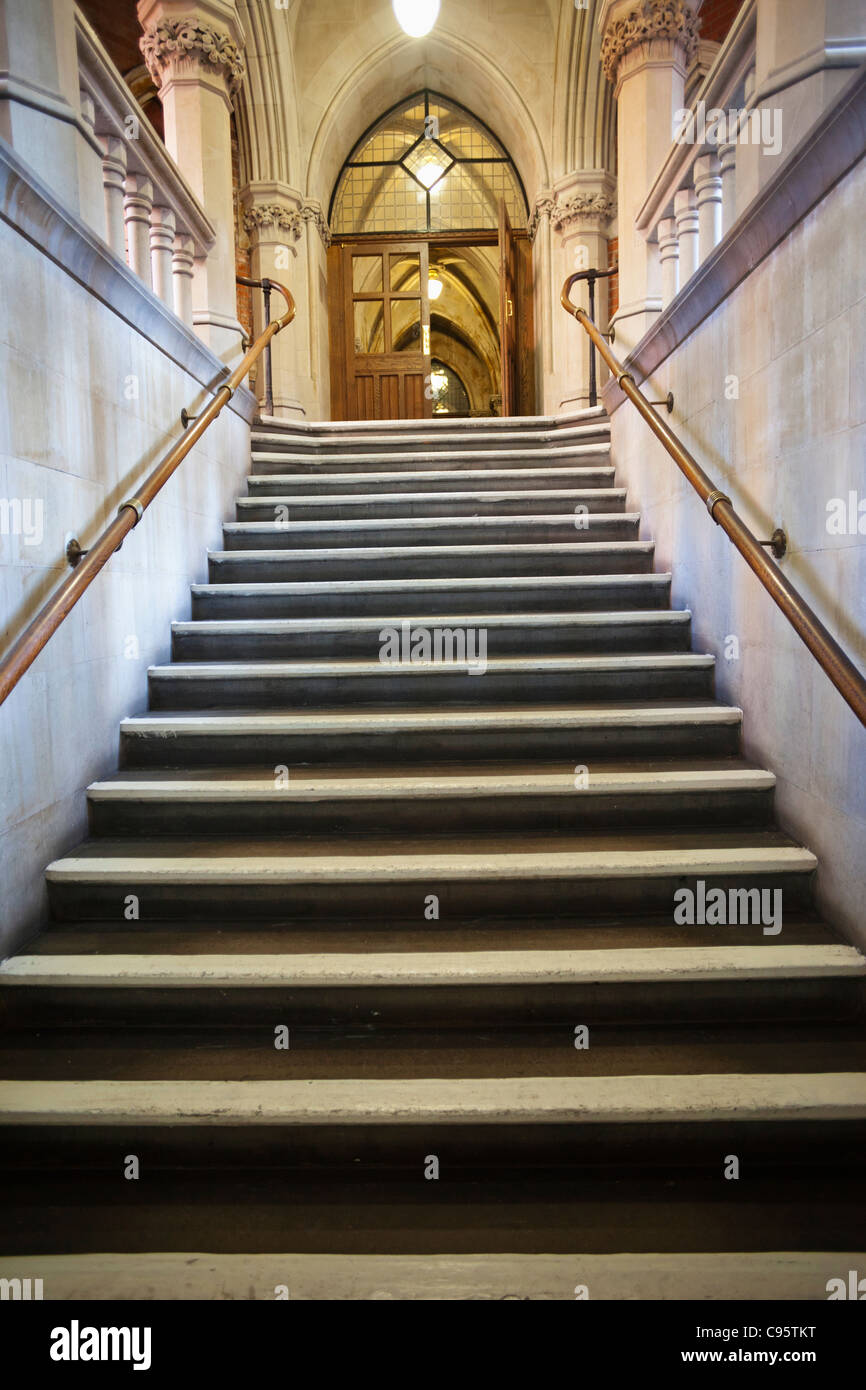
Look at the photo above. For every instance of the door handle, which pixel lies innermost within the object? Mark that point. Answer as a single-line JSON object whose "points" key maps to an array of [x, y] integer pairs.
{"points": [[509, 309]]}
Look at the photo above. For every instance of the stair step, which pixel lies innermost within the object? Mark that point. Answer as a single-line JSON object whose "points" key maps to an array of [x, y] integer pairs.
{"points": [[436, 434], [330, 736], [432, 561], [507, 634], [578, 1121], [430, 531], [393, 506], [791, 1275], [415, 597], [538, 993], [432, 801], [273, 684], [318, 483], [502, 874]]}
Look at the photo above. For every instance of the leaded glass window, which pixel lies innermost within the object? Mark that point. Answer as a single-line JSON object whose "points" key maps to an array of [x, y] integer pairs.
{"points": [[426, 166]]}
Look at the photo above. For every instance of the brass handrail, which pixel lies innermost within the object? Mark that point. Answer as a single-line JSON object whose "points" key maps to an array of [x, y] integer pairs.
{"points": [[37, 633], [835, 663]]}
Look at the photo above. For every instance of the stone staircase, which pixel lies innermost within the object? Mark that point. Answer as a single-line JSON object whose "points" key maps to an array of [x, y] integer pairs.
{"points": [[437, 885]]}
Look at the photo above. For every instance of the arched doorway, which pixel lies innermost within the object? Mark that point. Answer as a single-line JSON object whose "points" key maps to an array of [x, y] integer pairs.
{"points": [[429, 258]]}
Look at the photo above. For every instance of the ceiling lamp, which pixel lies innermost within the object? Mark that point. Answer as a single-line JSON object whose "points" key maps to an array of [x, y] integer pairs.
{"points": [[434, 285], [416, 17]]}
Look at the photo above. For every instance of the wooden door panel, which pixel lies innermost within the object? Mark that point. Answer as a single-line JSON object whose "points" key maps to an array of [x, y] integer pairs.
{"points": [[386, 322]]}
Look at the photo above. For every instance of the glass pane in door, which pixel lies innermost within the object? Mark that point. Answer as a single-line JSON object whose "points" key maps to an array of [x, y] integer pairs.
{"points": [[406, 325], [369, 326]]}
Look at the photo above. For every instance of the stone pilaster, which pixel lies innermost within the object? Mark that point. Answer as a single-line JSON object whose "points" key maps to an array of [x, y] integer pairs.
{"points": [[194, 53], [288, 237], [582, 209]]}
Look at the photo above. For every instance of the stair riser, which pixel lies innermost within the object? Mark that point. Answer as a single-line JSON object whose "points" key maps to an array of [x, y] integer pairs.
{"points": [[435, 684], [308, 484], [532, 640], [425, 440], [431, 814], [420, 457], [349, 602], [500, 745], [295, 537], [677, 1150], [322, 510], [514, 897], [661, 1003], [472, 563]]}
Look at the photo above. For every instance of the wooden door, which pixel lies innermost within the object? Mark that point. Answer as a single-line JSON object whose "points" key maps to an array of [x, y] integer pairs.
{"points": [[508, 311], [387, 331]]}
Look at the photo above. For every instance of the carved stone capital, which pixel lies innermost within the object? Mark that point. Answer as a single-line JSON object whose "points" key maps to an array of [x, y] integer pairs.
{"points": [[648, 20], [543, 207], [190, 44], [262, 215], [312, 212], [582, 207]]}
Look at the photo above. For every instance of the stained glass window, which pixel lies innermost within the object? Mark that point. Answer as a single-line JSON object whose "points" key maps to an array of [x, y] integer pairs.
{"points": [[426, 166]]}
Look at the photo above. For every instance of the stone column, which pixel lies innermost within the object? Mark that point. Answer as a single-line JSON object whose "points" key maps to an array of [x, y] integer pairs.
{"points": [[582, 207], [728, 171], [113, 179], [193, 52], [708, 192], [669, 255], [137, 207], [686, 217], [182, 266], [647, 47], [162, 233], [283, 230]]}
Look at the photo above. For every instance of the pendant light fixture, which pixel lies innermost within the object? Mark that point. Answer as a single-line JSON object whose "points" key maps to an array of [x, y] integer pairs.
{"points": [[416, 17]]}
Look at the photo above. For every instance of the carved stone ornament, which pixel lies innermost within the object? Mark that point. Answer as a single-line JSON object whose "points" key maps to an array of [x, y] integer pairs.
{"points": [[170, 39], [544, 205], [311, 212], [582, 207], [649, 19], [286, 219], [272, 215]]}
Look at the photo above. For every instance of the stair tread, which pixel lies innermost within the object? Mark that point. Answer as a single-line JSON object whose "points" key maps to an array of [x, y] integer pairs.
{"points": [[665, 617], [505, 451], [389, 780], [563, 471], [612, 714], [593, 521], [370, 499], [638, 1099], [305, 667], [592, 855], [467, 967], [422, 584]]}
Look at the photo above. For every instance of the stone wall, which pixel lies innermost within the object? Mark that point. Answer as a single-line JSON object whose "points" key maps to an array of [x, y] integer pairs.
{"points": [[770, 396], [90, 399]]}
